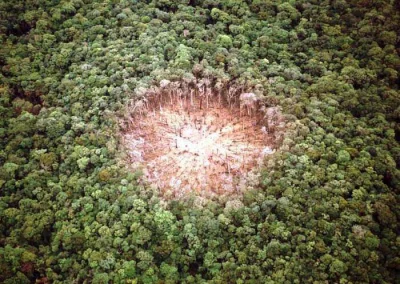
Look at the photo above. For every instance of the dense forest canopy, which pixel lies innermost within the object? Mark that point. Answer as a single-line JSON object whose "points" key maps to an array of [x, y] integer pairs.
{"points": [[326, 208]]}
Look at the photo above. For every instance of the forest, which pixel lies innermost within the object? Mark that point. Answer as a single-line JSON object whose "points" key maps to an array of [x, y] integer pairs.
{"points": [[323, 205]]}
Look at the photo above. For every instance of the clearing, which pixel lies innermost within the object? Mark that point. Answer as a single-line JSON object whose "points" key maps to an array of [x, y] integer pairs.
{"points": [[197, 144]]}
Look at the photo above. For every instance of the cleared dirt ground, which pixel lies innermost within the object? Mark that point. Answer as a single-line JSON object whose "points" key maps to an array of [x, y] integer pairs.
{"points": [[186, 147]]}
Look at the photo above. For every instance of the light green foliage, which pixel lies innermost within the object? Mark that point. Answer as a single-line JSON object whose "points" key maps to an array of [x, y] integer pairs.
{"points": [[10, 168], [224, 41], [165, 221], [169, 272], [221, 16], [101, 278], [83, 163], [338, 267], [343, 157], [183, 57]]}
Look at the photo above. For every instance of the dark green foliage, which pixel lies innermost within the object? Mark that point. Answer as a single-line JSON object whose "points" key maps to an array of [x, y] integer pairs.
{"points": [[327, 207]]}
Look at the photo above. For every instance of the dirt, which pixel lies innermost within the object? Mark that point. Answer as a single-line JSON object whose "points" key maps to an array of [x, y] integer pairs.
{"points": [[186, 150]]}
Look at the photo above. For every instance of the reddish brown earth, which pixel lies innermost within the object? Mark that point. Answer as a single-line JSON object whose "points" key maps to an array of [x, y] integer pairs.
{"points": [[189, 149]]}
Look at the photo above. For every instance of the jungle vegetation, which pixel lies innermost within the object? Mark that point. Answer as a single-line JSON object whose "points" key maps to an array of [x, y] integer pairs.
{"points": [[326, 209]]}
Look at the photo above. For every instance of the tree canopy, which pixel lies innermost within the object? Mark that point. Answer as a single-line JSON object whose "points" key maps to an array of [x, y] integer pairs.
{"points": [[326, 207]]}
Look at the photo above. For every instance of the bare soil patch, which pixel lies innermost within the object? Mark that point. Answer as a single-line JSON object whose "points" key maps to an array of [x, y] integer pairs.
{"points": [[192, 144]]}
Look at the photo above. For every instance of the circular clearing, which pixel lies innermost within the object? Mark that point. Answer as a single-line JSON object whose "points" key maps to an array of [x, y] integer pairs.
{"points": [[193, 144]]}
